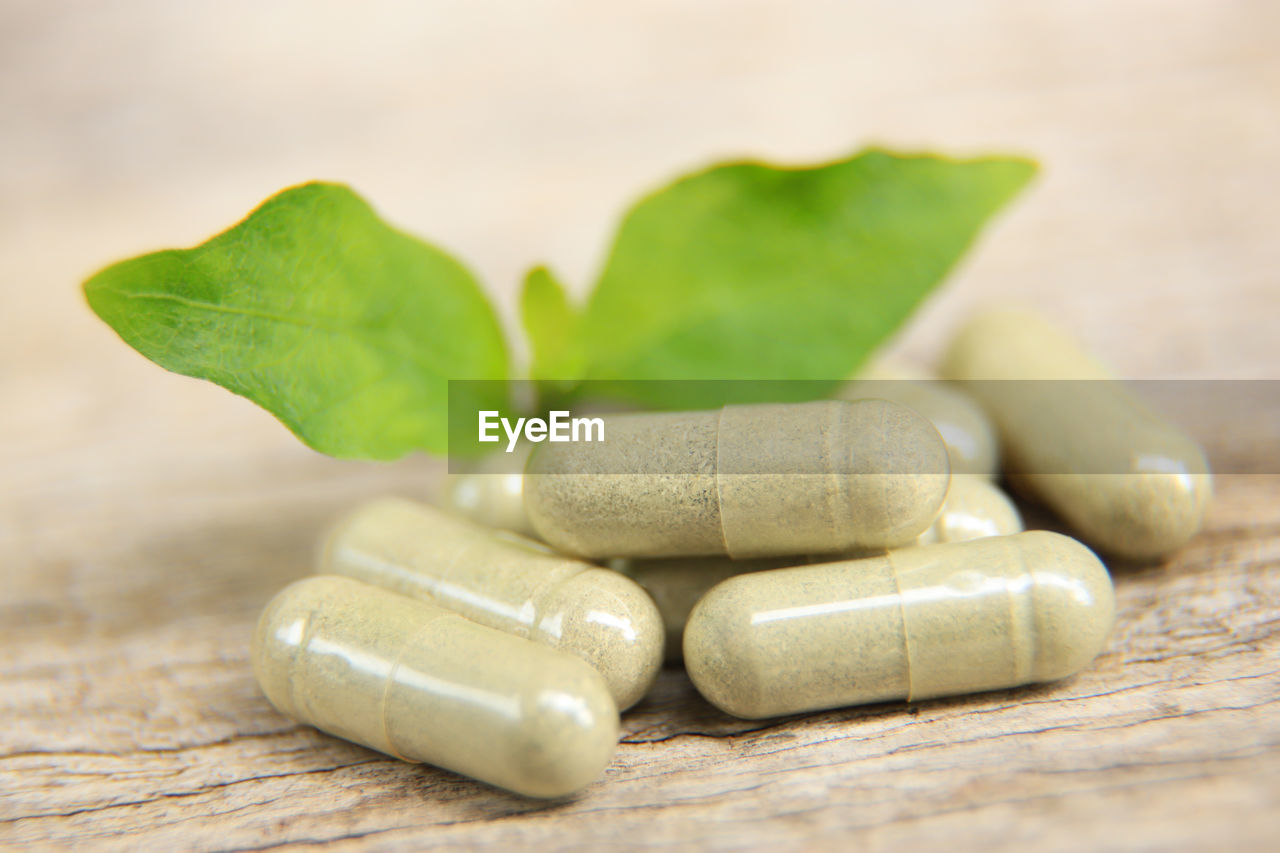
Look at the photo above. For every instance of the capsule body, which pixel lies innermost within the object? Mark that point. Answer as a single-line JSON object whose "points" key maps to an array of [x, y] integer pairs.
{"points": [[966, 430], [746, 481], [1129, 482], [423, 684], [974, 508], [506, 582], [916, 623]]}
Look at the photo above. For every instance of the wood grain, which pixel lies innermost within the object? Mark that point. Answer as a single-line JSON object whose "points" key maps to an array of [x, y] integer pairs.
{"points": [[146, 518], [133, 719]]}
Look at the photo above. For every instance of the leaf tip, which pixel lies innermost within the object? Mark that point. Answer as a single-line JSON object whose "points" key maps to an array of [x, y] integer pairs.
{"points": [[537, 276], [1022, 168]]}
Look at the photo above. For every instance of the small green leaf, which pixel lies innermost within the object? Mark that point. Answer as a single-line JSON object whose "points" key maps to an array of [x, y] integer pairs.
{"points": [[748, 271], [341, 326], [552, 325]]}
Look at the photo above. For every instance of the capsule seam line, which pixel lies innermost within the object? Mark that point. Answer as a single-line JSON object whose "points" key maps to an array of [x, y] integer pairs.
{"points": [[307, 634], [906, 630], [1021, 623], [451, 565], [724, 538], [838, 498], [539, 596], [888, 440], [386, 703], [390, 683]]}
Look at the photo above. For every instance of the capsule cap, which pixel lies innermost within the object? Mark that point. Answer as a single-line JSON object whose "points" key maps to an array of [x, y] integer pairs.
{"points": [[864, 474], [1074, 603], [611, 622]]}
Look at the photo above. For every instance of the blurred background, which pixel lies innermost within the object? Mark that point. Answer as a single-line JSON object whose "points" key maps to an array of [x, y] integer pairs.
{"points": [[513, 133]]}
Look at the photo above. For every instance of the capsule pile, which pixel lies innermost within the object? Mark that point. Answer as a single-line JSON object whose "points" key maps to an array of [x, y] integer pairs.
{"points": [[796, 557]]}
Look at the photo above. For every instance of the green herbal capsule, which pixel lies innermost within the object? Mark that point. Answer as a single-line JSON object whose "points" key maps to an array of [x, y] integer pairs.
{"points": [[974, 508], [965, 429], [916, 623], [506, 582], [1129, 482], [746, 481], [424, 684]]}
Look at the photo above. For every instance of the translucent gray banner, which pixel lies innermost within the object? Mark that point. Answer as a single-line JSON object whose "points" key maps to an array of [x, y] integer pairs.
{"points": [[1068, 427]]}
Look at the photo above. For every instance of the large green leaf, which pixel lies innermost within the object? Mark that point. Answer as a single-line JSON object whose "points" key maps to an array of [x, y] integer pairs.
{"points": [[343, 327], [748, 271]]}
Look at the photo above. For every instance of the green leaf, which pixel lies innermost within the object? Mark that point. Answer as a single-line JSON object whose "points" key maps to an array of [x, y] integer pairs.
{"points": [[341, 326], [552, 325], [749, 271]]}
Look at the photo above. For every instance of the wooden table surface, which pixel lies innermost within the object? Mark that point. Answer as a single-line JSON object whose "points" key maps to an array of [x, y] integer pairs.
{"points": [[145, 518]]}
